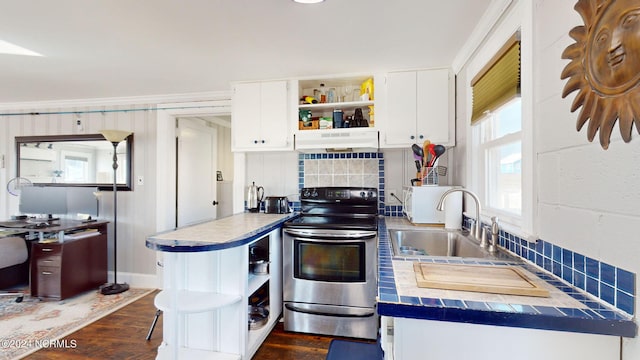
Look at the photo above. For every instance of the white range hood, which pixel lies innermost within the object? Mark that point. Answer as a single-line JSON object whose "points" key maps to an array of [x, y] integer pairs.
{"points": [[335, 140]]}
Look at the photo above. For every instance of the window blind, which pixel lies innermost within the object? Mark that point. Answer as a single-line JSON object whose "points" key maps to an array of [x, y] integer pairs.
{"points": [[498, 81]]}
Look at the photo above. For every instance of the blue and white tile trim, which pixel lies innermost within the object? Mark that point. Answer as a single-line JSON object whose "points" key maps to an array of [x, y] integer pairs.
{"points": [[383, 209], [606, 282], [592, 317], [393, 210], [371, 174]]}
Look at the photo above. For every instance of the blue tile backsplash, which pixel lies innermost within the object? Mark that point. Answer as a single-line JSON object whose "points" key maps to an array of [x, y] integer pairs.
{"points": [[595, 317], [343, 169], [611, 284]]}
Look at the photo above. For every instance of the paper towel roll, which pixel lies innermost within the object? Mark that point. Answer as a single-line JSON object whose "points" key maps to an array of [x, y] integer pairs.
{"points": [[453, 211]]}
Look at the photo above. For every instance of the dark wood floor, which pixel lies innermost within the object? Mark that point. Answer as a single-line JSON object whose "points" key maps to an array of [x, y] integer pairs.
{"points": [[121, 335]]}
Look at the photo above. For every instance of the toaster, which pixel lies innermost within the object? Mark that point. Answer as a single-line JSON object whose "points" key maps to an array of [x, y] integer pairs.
{"points": [[276, 205]]}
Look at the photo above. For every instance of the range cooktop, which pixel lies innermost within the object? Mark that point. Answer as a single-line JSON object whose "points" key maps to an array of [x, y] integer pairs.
{"points": [[333, 222]]}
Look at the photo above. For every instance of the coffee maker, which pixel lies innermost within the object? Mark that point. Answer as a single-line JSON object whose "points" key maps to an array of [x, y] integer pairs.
{"points": [[254, 197]]}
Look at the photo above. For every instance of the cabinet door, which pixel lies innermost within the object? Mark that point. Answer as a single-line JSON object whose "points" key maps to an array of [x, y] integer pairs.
{"points": [[260, 117], [399, 128], [274, 125], [434, 117], [245, 117]]}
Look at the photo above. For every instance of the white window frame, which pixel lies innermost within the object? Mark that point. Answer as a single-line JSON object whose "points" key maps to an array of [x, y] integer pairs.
{"points": [[518, 16], [482, 161]]}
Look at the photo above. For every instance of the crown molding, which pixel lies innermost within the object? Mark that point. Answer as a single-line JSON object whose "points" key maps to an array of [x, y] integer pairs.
{"points": [[131, 100]]}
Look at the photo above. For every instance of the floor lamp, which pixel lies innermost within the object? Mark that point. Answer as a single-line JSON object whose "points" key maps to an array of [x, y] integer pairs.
{"points": [[115, 137]]}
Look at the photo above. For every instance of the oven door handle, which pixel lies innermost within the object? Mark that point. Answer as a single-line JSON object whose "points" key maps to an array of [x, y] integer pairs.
{"points": [[363, 314], [319, 234]]}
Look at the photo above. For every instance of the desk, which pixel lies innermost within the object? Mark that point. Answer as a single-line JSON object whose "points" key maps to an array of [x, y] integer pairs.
{"points": [[68, 266], [18, 274]]}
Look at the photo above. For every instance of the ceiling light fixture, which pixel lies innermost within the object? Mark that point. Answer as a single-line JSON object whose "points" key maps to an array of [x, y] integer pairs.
{"points": [[12, 49], [308, 1]]}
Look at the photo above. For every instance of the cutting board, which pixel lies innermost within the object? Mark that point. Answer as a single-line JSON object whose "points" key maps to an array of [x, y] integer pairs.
{"points": [[507, 280]]}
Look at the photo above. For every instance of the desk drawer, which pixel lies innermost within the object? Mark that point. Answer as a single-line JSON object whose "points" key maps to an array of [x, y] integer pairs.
{"points": [[49, 261], [48, 282], [39, 250]]}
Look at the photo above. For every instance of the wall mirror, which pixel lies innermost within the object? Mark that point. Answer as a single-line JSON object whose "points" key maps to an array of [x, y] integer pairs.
{"points": [[74, 160]]}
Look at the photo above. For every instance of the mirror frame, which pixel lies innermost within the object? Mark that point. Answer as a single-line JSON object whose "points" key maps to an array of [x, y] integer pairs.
{"points": [[81, 137]]}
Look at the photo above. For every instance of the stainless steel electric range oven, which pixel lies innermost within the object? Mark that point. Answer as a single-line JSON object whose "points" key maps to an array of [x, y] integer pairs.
{"points": [[329, 256]]}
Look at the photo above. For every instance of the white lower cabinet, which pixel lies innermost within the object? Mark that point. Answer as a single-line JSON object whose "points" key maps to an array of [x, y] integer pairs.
{"points": [[408, 339], [206, 297]]}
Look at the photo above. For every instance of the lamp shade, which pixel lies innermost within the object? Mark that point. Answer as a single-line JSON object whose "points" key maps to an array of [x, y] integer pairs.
{"points": [[115, 135]]}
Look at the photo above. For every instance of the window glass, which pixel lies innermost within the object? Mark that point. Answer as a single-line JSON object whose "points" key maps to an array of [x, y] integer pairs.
{"points": [[501, 157], [76, 169]]}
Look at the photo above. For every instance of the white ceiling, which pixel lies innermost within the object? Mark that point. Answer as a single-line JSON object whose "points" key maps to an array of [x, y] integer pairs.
{"points": [[121, 48]]}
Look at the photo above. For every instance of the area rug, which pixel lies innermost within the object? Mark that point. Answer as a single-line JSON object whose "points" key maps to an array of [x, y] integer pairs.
{"points": [[30, 325]]}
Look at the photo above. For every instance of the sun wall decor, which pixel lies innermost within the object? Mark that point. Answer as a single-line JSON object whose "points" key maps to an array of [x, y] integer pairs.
{"points": [[605, 68]]}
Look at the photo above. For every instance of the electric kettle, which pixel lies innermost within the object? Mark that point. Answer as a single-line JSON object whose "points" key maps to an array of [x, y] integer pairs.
{"points": [[254, 197]]}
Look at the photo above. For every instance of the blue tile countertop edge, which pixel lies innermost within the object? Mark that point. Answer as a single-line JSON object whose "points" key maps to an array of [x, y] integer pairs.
{"points": [[597, 318]]}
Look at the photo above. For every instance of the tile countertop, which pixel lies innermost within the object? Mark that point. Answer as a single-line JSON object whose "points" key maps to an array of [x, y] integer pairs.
{"points": [[228, 232], [567, 308]]}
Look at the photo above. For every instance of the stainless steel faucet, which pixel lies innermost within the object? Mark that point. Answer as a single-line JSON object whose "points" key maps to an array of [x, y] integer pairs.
{"points": [[475, 230], [495, 232]]}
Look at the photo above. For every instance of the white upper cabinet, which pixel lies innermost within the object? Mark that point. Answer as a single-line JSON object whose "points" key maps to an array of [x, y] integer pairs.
{"points": [[419, 106], [260, 117]]}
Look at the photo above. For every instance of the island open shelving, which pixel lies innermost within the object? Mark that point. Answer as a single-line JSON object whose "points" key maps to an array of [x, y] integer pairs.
{"points": [[208, 287]]}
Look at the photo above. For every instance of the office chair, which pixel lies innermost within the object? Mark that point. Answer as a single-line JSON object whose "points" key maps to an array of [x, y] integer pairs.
{"points": [[13, 256]]}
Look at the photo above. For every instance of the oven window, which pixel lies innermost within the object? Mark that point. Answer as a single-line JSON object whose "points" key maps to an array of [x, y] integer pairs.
{"points": [[333, 262]]}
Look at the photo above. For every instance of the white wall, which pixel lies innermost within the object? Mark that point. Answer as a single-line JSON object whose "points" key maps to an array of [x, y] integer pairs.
{"points": [[276, 172], [587, 198], [135, 221]]}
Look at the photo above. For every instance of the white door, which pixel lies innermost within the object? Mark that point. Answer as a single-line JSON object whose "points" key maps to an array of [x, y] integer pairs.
{"points": [[196, 172]]}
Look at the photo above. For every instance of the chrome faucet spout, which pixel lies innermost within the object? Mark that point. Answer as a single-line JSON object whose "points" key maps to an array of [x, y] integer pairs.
{"points": [[476, 228]]}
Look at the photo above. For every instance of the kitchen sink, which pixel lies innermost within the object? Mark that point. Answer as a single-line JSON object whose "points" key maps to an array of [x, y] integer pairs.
{"points": [[439, 243]]}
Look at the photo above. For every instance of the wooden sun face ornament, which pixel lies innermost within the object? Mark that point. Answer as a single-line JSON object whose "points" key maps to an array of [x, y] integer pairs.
{"points": [[605, 67]]}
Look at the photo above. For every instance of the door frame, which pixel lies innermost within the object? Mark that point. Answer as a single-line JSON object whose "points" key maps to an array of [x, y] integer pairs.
{"points": [[166, 152]]}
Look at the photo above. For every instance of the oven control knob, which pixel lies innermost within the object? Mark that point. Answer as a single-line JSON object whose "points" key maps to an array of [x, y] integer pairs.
{"points": [[306, 193], [371, 194], [363, 194], [315, 193]]}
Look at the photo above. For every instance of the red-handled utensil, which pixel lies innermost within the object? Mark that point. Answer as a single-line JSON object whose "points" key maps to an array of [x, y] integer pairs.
{"points": [[438, 150], [432, 155]]}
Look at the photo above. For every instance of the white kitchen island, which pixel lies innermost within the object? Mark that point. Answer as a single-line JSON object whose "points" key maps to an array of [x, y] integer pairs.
{"points": [[207, 286]]}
